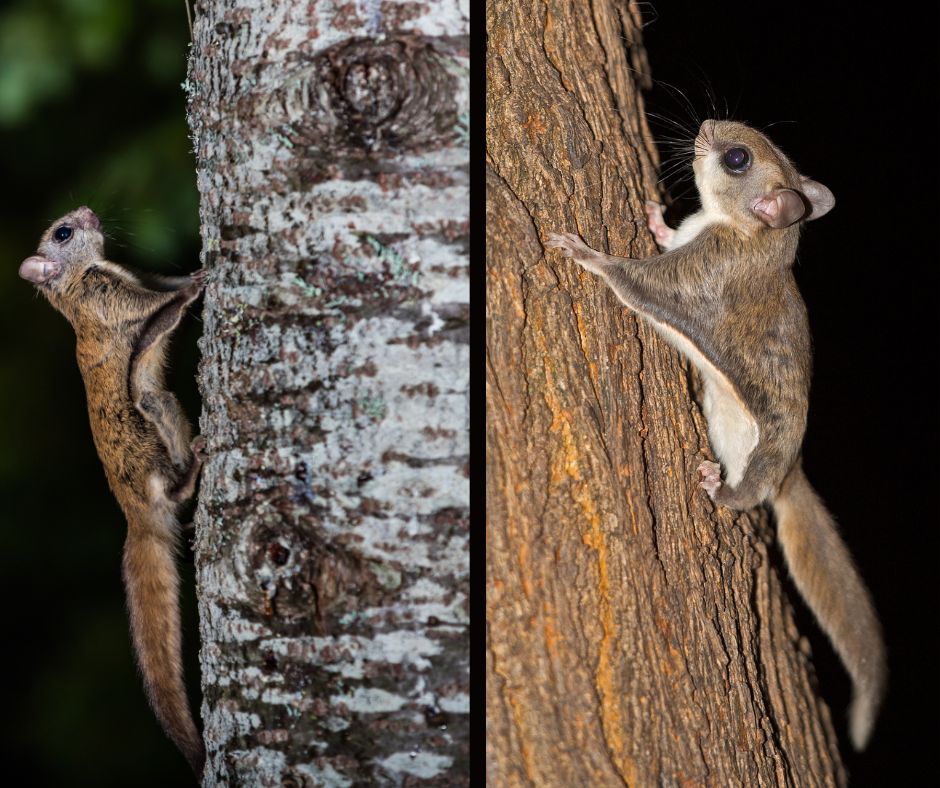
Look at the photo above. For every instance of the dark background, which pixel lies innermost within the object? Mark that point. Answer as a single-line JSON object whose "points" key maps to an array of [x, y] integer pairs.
{"points": [[859, 94], [91, 112]]}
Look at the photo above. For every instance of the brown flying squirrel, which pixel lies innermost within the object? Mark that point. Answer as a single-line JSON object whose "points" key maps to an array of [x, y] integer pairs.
{"points": [[141, 433], [723, 293]]}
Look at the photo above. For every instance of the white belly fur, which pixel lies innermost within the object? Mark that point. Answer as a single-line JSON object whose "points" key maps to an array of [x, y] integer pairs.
{"points": [[691, 226], [732, 430]]}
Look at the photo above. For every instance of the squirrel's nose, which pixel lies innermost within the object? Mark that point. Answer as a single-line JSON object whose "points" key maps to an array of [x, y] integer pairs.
{"points": [[88, 217]]}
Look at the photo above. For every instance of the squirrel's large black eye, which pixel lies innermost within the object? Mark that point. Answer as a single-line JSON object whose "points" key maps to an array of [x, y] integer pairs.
{"points": [[63, 233], [736, 159]]}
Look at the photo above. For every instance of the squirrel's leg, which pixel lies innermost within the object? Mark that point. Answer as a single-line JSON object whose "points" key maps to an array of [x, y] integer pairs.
{"points": [[148, 390], [186, 486]]}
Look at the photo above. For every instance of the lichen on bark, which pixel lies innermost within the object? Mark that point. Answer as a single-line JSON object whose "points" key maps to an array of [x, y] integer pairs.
{"points": [[332, 528]]}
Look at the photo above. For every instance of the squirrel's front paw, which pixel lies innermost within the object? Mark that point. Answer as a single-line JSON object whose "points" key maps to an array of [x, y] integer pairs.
{"points": [[197, 283], [572, 246], [198, 278], [661, 231]]}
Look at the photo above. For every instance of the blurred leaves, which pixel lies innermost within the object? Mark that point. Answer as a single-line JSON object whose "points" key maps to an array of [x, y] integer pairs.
{"points": [[90, 100], [146, 172], [45, 45]]}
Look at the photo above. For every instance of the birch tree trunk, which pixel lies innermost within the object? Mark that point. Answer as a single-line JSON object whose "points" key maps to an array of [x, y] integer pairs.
{"points": [[331, 547], [635, 634]]}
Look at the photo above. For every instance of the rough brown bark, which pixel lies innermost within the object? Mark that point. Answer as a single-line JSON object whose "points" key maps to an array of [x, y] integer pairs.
{"points": [[635, 634], [331, 547]]}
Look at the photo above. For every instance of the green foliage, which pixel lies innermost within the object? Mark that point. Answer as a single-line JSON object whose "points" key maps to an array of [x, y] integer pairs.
{"points": [[91, 103], [45, 47]]}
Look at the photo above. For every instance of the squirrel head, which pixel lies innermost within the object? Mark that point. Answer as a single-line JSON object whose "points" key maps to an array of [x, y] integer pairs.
{"points": [[743, 176], [66, 248]]}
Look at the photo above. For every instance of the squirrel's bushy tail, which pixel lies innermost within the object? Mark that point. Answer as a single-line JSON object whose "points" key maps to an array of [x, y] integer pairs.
{"points": [[152, 583], [826, 576]]}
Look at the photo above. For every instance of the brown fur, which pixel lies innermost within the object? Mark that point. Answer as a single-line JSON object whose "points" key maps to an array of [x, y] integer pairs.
{"points": [[724, 294], [142, 437], [826, 576]]}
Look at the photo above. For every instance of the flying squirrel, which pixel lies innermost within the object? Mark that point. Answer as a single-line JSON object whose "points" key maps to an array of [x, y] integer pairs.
{"points": [[142, 436], [724, 295]]}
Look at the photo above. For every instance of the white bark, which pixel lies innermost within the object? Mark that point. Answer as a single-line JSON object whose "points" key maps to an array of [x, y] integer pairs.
{"points": [[331, 549]]}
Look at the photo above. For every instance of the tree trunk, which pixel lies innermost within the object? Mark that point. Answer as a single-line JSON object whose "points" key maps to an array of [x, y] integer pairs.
{"points": [[331, 546], [635, 634]]}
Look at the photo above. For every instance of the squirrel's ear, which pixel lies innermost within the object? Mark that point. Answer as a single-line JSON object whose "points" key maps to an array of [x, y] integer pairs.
{"points": [[38, 269], [818, 196], [780, 208]]}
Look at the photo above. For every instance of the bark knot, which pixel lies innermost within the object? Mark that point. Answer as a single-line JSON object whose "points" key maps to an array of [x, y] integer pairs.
{"points": [[363, 98], [294, 577]]}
